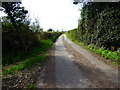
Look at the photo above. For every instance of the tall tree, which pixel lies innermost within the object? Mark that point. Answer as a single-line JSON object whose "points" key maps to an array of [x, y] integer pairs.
{"points": [[16, 14]]}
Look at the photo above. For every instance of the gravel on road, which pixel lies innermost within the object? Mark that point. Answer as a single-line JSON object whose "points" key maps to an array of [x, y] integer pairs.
{"points": [[71, 66]]}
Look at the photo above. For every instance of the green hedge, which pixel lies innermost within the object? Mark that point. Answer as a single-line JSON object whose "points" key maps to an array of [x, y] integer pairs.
{"points": [[42, 45], [113, 55], [100, 24]]}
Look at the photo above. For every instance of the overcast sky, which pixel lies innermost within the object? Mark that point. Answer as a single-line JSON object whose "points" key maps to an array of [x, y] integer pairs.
{"points": [[55, 14]]}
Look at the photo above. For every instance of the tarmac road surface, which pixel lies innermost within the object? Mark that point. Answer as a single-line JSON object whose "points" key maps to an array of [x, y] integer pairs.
{"points": [[71, 66]]}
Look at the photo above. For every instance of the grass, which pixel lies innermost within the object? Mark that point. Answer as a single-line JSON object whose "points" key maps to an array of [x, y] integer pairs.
{"points": [[28, 63], [11, 57], [32, 86], [113, 55], [32, 58]]}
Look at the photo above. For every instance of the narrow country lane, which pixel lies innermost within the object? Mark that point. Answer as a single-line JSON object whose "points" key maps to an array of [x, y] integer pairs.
{"points": [[109, 71], [60, 44], [68, 75], [70, 66]]}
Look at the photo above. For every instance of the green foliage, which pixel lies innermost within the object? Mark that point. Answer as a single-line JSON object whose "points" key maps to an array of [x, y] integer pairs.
{"points": [[99, 24], [15, 12], [108, 32], [17, 36], [98, 28], [73, 39], [48, 35], [21, 42], [114, 55], [106, 53], [32, 86], [31, 58], [29, 63], [12, 43]]}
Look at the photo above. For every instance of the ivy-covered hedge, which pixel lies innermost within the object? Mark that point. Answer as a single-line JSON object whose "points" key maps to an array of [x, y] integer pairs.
{"points": [[100, 24], [113, 56]]}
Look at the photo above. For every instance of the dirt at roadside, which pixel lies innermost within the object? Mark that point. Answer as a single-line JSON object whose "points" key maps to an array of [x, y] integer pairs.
{"points": [[47, 78], [21, 79], [94, 75], [41, 76]]}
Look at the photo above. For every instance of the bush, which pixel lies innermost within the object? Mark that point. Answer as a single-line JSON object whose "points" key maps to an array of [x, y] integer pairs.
{"points": [[10, 56], [113, 55], [14, 41], [99, 25]]}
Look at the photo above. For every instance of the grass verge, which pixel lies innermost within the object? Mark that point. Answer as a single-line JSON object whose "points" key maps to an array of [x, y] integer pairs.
{"points": [[34, 57], [32, 87], [107, 54]]}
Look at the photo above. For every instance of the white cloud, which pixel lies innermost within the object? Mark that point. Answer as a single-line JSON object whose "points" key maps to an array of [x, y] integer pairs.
{"points": [[56, 14]]}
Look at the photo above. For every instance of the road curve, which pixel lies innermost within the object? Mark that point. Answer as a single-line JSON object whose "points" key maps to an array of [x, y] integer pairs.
{"points": [[71, 66], [110, 72], [68, 75]]}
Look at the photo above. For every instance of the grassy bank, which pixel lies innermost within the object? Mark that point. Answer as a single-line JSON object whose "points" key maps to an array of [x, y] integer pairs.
{"points": [[107, 54], [33, 57]]}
